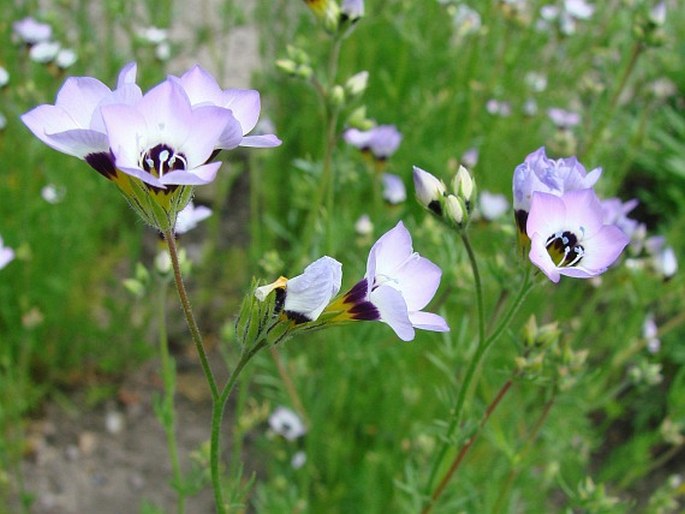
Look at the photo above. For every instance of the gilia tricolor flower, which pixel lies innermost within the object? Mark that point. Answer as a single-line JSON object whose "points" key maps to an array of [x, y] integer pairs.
{"points": [[538, 173], [381, 141], [303, 298], [398, 284], [6, 254], [568, 235]]}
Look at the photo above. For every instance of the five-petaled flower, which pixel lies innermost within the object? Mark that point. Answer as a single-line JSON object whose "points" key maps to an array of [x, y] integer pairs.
{"points": [[568, 235], [398, 284]]}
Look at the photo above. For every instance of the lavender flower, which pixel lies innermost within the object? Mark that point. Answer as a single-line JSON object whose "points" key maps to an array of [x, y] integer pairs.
{"points": [[190, 216], [491, 206], [30, 31], [397, 285], [650, 333], [381, 141], [352, 9], [562, 118], [615, 212], [568, 235], [285, 422]]}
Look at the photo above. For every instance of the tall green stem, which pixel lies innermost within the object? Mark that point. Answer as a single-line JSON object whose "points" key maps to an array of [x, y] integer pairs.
{"points": [[483, 346], [168, 409], [188, 311], [218, 407]]}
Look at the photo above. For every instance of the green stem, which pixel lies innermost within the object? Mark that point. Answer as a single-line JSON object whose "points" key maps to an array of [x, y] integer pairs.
{"points": [[596, 133], [527, 445], [168, 408], [465, 448], [188, 311], [218, 407], [474, 364]]}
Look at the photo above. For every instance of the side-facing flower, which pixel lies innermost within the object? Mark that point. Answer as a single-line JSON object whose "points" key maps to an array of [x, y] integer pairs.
{"points": [[203, 89], [568, 235], [394, 191], [303, 298], [74, 125], [285, 422], [6, 254], [381, 141], [190, 216], [398, 284], [352, 10], [429, 190]]}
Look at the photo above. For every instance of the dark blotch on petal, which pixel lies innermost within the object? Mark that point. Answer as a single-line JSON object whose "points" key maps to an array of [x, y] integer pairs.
{"points": [[297, 317], [365, 311], [280, 299], [521, 218], [103, 163], [435, 207], [358, 292]]}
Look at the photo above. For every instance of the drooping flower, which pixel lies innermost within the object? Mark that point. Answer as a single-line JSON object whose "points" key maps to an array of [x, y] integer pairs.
{"points": [[6, 254], [74, 125], [381, 141], [352, 9], [190, 216], [203, 89], [398, 284], [554, 176], [286, 423], [568, 235], [394, 191], [429, 190], [303, 298]]}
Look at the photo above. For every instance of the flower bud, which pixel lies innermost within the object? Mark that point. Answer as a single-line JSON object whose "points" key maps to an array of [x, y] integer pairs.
{"points": [[337, 95], [429, 190], [454, 210], [463, 185], [357, 83]]}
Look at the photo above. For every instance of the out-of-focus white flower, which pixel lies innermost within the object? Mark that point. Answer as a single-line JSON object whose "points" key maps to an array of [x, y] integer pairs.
{"points": [[6, 254], [53, 194], [498, 108], [394, 191], [66, 58], [44, 52], [30, 31], [658, 14], [190, 216], [563, 118], [650, 333], [3, 121], [491, 206], [470, 158], [4, 77], [663, 258], [153, 35], [536, 81], [163, 51], [285, 422], [363, 226], [579, 9], [466, 21], [530, 108], [298, 460]]}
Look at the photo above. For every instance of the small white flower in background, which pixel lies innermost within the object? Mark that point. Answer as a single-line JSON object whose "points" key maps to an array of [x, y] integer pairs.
{"points": [[658, 14], [663, 258], [44, 52], [491, 206], [285, 422], [579, 9], [153, 35], [530, 107], [66, 58], [393, 189], [4, 77], [163, 51], [6, 254], [30, 31], [650, 333], [537, 82], [563, 118], [470, 158], [498, 108], [466, 21], [363, 226], [3, 121], [190, 216], [298, 460], [53, 194]]}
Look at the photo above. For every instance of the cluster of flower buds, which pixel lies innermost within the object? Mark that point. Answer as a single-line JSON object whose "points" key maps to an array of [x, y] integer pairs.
{"points": [[649, 26], [453, 208], [155, 146], [296, 64]]}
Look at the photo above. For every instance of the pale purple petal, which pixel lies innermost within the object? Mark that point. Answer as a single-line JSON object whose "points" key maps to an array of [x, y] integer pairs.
{"points": [[142, 175], [393, 311], [201, 86], [79, 97], [245, 104], [261, 141], [540, 257], [308, 294], [46, 120], [547, 215], [418, 280], [166, 109], [428, 321], [127, 75], [81, 142], [194, 177], [128, 133], [206, 125], [603, 248], [584, 210], [390, 251], [394, 191]]}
